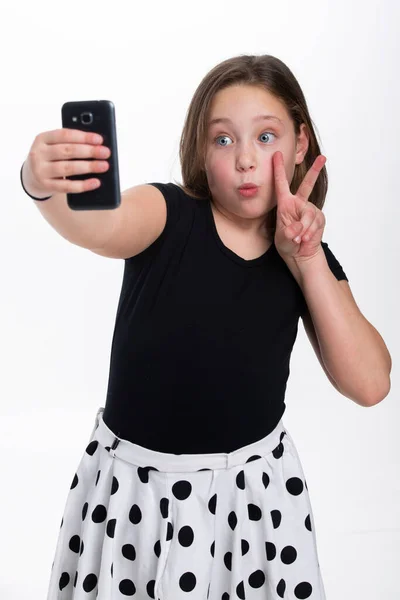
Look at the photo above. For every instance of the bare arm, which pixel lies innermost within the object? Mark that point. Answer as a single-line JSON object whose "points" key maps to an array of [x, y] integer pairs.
{"points": [[89, 229]]}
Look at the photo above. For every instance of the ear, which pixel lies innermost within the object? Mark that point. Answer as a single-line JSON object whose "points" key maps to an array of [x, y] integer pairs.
{"points": [[302, 144]]}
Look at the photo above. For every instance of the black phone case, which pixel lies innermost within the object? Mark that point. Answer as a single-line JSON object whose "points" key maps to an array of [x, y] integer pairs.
{"points": [[97, 116]]}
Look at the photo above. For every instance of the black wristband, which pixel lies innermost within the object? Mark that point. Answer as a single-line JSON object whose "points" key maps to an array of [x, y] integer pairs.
{"points": [[22, 183]]}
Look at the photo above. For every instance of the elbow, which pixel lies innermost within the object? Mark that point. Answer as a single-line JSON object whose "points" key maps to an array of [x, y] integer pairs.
{"points": [[371, 398], [379, 395]]}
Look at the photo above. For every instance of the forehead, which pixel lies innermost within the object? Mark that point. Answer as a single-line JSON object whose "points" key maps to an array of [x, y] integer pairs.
{"points": [[243, 102]]}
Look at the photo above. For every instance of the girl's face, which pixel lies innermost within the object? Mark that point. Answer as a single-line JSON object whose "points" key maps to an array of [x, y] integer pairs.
{"points": [[240, 151]]}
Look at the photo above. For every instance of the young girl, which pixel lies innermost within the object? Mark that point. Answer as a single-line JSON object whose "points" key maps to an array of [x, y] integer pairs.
{"points": [[191, 486]]}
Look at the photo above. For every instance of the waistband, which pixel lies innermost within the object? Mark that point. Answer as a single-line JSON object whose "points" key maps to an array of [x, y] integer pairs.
{"points": [[166, 462]]}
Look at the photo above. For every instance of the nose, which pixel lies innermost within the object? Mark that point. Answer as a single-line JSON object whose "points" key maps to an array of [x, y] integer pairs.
{"points": [[245, 159]]}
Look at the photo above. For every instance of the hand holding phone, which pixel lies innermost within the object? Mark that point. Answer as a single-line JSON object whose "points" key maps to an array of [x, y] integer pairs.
{"points": [[93, 116], [49, 162]]}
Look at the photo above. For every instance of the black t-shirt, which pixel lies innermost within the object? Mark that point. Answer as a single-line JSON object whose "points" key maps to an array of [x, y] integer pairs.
{"points": [[203, 338]]}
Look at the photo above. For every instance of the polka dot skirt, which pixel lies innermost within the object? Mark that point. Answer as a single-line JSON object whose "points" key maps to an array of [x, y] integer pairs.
{"points": [[142, 524]]}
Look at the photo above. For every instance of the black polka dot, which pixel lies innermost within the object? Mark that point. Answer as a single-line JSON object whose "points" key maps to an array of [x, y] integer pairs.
{"points": [[276, 517], [280, 588], [114, 485], [212, 504], [82, 548], [182, 489], [74, 543], [288, 555], [254, 511], [111, 527], [92, 447], [277, 453], [143, 473], [164, 503], [187, 582], [228, 560], [265, 479], [135, 514], [212, 549], [270, 550], [64, 580], [245, 547], [240, 591], [128, 551], [90, 582], [240, 480], [170, 531], [303, 590], [186, 536], [294, 486], [254, 457], [257, 579], [76, 579], [98, 476], [150, 588], [127, 587], [157, 548], [232, 520], [84, 510], [74, 481], [307, 523], [99, 514]]}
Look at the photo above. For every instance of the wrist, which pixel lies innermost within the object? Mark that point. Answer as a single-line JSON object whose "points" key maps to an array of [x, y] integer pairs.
{"points": [[305, 267], [28, 187]]}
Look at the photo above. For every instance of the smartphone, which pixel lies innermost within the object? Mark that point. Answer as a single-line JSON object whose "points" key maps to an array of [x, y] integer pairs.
{"points": [[96, 116]]}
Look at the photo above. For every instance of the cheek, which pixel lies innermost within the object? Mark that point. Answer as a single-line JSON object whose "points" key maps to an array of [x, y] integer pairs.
{"points": [[218, 170]]}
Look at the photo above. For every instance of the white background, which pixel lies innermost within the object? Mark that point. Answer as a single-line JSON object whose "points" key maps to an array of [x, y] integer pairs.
{"points": [[58, 301]]}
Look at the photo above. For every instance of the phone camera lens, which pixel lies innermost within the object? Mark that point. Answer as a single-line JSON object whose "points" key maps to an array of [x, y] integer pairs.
{"points": [[87, 118]]}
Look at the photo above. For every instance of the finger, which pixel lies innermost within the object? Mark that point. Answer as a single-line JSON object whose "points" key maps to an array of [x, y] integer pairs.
{"points": [[307, 220], [307, 234], [69, 136], [281, 182], [307, 185]]}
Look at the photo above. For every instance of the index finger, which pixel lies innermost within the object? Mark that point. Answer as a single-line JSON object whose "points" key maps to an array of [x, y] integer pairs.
{"points": [[282, 184], [72, 136]]}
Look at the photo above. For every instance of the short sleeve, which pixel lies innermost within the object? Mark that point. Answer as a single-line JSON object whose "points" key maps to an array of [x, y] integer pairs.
{"points": [[334, 266], [173, 199], [333, 263]]}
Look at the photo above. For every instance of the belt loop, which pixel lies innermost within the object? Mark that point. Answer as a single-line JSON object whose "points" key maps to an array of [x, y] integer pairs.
{"points": [[114, 445], [96, 422]]}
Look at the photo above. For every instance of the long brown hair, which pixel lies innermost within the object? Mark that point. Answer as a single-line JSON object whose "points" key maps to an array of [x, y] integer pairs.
{"points": [[271, 74]]}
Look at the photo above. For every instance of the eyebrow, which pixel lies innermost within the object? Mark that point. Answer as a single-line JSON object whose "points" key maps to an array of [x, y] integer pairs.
{"points": [[257, 118]]}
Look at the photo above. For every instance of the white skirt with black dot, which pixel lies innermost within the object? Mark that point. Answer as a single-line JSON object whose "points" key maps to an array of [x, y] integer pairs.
{"points": [[142, 524]]}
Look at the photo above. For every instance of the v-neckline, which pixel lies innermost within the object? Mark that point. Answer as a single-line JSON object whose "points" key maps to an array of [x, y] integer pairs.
{"points": [[252, 262]]}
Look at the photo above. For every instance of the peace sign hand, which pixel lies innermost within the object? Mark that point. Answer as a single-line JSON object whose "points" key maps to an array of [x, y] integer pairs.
{"points": [[295, 215]]}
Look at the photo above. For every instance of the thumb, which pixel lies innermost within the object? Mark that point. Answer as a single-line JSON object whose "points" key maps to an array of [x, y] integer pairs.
{"points": [[297, 228]]}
